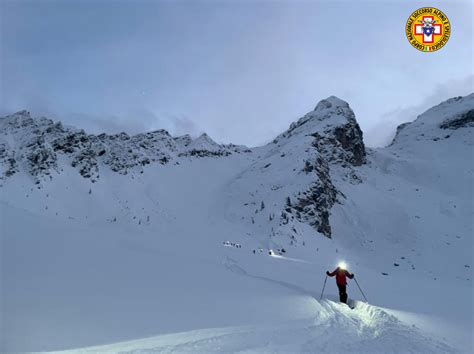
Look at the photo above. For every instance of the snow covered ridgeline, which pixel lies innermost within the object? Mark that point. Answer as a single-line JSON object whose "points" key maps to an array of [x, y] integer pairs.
{"points": [[35, 144], [436, 123], [299, 167], [328, 135], [404, 211]]}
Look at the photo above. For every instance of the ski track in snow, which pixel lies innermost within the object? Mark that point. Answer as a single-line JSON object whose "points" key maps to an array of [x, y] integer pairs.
{"points": [[336, 329]]}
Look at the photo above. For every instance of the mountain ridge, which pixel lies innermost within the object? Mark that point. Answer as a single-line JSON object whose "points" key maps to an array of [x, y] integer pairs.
{"points": [[332, 123], [199, 239], [40, 139], [308, 164]]}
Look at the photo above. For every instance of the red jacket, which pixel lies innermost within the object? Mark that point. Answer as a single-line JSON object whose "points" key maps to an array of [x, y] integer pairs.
{"points": [[341, 275]]}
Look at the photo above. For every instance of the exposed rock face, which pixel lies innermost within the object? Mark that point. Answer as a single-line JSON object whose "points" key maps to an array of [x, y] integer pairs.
{"points": [[462, 120], [315, 205], [341, 142], [7, 160], [87, 164], [38, 142], [39, 157], [336, 131], [338, 141], [350, 138], [338, 144]]}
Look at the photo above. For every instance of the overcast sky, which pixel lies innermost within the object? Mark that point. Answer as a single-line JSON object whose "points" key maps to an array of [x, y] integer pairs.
{"points": [[241, 71]]}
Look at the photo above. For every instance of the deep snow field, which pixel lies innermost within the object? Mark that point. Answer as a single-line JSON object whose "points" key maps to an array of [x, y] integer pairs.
{"points": [[138, 263]]}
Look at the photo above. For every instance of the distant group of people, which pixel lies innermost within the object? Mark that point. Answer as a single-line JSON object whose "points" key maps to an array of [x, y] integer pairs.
{"points": [[233, 244], [279, 251]]}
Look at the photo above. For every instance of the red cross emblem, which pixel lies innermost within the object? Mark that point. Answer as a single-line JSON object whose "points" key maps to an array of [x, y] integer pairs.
{"points": [[428, 29]]}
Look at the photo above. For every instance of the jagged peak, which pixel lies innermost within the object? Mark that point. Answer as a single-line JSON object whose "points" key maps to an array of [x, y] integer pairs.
{"points": [[206, 137], [331, 111], [333, 128], [328, 114], [204, 142], [22, 113], [331, 102], [22, 120], [159, 132]]}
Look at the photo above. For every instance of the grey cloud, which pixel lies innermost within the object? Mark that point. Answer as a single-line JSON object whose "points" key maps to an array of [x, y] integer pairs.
{"points": [[181, 125], [136, 122]]}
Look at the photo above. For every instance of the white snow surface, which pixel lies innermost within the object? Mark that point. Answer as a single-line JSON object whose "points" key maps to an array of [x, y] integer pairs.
{"points": [[138, 262]]}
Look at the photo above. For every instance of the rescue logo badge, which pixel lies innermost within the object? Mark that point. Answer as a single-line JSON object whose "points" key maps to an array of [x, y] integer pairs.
{"points": [[428, 29]]}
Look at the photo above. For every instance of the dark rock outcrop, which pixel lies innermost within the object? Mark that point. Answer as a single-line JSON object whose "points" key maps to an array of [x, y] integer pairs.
{"points": [[315, 204], [338, 141], [465, 119]]}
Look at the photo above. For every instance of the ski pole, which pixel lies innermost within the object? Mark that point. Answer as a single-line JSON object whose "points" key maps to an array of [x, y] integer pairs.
{"points": [[322, 292], [360, 289]]}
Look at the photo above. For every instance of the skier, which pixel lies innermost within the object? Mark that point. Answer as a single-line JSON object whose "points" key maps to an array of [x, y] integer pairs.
{"points": [[340, 272]]}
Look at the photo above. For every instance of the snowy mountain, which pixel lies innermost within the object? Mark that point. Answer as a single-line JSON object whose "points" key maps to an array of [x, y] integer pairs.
{"points": [[113, 238], [37, 144]]}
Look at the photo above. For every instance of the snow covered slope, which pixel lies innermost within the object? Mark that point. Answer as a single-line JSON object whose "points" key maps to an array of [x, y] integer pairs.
{"points": [[110, 238]]}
